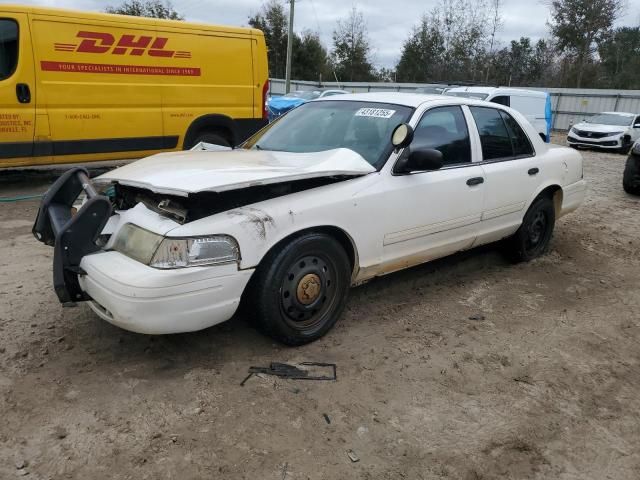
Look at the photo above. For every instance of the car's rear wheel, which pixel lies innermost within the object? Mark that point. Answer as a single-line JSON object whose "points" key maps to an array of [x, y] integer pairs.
{"points": [[534, 235], [299, 291]]}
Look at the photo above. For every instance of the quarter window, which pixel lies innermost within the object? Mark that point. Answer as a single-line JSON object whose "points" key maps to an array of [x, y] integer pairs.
{"points": [[444, 129], [8, 47]]}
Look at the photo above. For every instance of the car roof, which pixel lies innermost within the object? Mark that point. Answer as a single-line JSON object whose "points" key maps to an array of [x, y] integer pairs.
{"points": [[505, 90], [413, 100], [624, 114]]}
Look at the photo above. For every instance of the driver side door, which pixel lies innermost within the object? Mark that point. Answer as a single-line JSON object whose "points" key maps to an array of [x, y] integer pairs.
{"points": [[432, 214]]}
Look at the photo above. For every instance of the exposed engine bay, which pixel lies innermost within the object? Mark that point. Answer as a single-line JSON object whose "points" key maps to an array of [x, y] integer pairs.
{"points": [[203, 204]]}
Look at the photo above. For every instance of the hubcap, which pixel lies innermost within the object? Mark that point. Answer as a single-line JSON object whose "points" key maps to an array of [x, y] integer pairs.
{"points": [[307, 291], [537, 230]]}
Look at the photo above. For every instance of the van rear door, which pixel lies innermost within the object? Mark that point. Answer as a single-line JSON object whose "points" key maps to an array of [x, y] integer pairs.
{"points": [[17, 94]]}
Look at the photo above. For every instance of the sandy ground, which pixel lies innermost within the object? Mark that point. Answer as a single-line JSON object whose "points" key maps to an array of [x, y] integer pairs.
{"points": [[546, 386]]}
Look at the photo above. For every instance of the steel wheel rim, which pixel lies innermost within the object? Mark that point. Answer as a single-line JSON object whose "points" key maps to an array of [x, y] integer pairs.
{"points": [[537, 230], [307, 291]]}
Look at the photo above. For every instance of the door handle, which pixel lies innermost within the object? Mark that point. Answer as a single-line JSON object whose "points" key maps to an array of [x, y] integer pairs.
{"points": [[533, 171], [475, 181], [23, 93]]}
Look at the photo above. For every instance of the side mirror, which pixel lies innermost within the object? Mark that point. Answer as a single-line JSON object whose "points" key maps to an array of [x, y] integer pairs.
{"points": [[402, 136], [420, 160], [637, 125]]}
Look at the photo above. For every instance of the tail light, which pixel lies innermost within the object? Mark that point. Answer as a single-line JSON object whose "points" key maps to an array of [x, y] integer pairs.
{"points": [[265, 92]]}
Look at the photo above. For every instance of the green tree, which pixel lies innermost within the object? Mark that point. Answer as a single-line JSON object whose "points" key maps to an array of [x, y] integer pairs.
{"points": [[309, 58], [578, 25], [421, 57], [351, 49], [274, 24], [146, 8], [620, 58]]}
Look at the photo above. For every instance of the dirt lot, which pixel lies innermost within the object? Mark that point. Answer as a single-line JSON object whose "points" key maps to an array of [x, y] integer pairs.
{"points": [[546, 386]]}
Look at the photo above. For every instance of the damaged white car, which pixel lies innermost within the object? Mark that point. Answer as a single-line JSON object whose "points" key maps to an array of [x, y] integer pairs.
{"points": [[336, 192]]}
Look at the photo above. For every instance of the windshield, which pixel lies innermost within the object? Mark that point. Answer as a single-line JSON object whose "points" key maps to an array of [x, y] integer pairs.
{"points": [[363, 127], [610, 119], [478, 96], [306, 95]]}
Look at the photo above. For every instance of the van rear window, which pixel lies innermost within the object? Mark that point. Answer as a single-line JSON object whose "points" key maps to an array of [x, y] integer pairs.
{"points": [[8, 47]]}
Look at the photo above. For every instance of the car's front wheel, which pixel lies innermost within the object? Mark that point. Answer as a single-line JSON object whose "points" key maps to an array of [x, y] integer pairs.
{"points": [[299, 291], [534, 235]]}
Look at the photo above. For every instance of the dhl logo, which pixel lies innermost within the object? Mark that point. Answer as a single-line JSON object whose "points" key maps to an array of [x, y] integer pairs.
{"points": [[100, 42]]}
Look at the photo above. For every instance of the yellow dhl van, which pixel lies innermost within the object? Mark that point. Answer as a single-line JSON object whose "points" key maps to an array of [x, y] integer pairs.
{"points": [[79, 87]]}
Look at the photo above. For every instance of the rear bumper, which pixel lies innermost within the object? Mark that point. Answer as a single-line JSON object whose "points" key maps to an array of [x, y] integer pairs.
{"points": [[573, 196], [142, 299]]}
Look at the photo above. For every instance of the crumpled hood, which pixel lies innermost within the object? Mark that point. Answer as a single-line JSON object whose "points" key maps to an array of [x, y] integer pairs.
{"points": [[182, 173], [600, 128]]}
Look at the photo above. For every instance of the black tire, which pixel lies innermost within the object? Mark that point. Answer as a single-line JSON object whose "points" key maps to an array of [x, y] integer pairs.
{"points": [[534, 235], [631, 189], [311, 268], [208, 137]]}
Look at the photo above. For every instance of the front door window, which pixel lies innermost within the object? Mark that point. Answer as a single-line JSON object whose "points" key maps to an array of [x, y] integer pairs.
{"points": [[8, 48]]}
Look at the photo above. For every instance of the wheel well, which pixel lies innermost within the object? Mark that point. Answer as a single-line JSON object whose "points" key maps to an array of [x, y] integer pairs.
{"points": [[554, 192], [337, 233], [219, 124]]}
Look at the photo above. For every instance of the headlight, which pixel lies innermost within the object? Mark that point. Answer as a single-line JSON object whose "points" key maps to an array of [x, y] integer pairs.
{"points": [[572, 130], [195, 252], [160, 252], [636, 148], [614, 133]]}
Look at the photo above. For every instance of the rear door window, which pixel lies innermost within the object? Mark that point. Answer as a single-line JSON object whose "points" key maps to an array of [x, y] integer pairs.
{"points": [[444, 129], [494, 137], [8, 47], [521, 145]]}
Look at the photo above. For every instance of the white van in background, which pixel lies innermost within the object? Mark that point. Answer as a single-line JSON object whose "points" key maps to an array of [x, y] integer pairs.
{"points": [[533, 104]]}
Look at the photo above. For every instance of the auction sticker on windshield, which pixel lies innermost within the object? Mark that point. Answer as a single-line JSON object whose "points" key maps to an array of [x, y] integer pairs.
{"points": [[375, 112]]}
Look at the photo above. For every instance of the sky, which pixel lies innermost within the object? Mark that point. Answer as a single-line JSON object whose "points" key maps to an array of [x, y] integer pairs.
{"points": [[389, 22]]}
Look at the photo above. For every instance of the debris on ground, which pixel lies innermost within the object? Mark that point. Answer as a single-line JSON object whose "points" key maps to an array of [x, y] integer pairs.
{"points": [[293, 372], [326, 418], [352, 456], [478, 317]]}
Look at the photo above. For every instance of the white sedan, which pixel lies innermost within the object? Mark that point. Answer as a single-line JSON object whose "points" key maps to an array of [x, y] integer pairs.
{"points": [[608, 130], [333, 194]]}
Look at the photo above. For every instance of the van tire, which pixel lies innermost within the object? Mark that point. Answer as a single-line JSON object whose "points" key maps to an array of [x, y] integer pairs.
{"points": [[208, 137], [272, 299]]}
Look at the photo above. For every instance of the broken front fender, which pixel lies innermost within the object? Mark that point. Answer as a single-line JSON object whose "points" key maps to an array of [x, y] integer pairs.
{"points": [[72, 236]]}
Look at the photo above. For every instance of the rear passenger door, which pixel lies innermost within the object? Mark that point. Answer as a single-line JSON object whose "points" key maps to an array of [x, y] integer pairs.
{"points": [[511, 169]]}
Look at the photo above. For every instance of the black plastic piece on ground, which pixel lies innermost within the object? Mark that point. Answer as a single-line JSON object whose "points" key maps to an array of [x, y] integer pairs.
{"points": [[284, 370]]}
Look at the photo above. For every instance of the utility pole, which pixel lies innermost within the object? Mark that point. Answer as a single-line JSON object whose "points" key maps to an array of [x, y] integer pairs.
{"points": [[287, 81]]}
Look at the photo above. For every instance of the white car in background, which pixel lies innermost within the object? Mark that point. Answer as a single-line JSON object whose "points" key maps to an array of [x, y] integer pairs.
{"points": [[337, 192], [533, 104], [608, 130]]}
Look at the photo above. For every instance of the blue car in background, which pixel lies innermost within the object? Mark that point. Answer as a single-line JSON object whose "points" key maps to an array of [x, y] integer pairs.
{"points": [[277, 106]]}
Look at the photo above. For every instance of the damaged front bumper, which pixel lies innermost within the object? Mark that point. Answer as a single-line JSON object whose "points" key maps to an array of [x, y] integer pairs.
{"points": [[120, 289], [72, 236]]}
